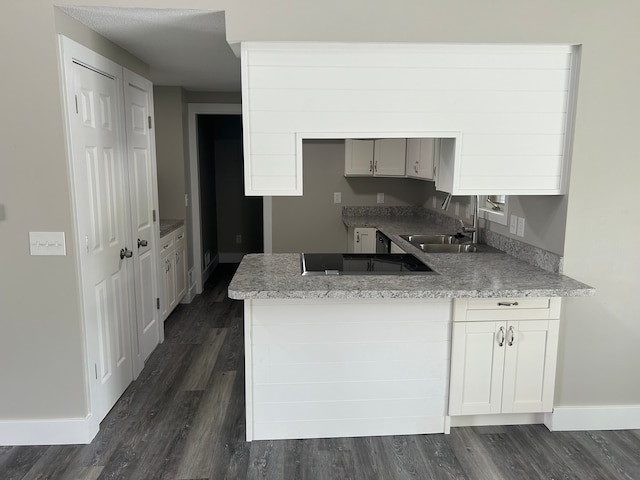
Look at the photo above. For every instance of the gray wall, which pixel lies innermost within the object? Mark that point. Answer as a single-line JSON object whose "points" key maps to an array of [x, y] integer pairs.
{"points": [[170, 154], [313, 223], [42, 375]]}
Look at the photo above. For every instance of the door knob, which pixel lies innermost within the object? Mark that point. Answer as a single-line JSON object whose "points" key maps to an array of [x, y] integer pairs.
{"points": [[142, 243], [125, 252]]}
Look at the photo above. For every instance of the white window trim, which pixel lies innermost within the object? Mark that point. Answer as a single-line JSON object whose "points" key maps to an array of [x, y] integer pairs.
{"points": [[502, 217]]}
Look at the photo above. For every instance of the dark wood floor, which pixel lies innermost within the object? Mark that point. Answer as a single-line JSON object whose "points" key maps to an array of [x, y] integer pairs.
{"points": [[183, 418]]}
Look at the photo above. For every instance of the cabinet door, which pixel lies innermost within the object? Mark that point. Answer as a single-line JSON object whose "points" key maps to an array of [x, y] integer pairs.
{"points": [[389, 157], [358, 157], [420, 158], [181, 274], [530, 365], [364, 240], [168, 285], [477, 364]]}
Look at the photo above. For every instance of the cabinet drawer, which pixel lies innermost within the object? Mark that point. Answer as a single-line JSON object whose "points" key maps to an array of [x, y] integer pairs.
{"points": [[166, 244], [480, 309], [179, 237]]}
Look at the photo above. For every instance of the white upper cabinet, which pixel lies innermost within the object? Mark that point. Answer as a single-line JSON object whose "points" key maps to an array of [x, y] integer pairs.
{"points": [[508, 107], [378, 158], [358, 158], [389, 157], [420, 157]]}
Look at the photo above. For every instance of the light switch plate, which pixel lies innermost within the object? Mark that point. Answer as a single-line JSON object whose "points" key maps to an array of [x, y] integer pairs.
{"points": [[47, 243], [380, 198], [337, 197], [520, 232], [513, 224]]}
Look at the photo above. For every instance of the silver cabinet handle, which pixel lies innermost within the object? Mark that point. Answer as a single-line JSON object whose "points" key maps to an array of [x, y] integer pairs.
{"points": [[511, 336], [507, 304], [501, 337], [370, 166], [142, 243], [125, 252], [357, 238]]}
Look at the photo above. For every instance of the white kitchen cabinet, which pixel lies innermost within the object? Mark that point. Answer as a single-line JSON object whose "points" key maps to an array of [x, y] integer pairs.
{"points": [[389, 157], [503, 356], [395, 249], [420, 158], [358, 157], [364, 240], [173, 270], [378, 158]]}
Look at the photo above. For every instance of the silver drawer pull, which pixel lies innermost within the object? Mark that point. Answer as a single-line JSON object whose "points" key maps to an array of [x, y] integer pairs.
{"points": [[511, 336], [507, 304]]}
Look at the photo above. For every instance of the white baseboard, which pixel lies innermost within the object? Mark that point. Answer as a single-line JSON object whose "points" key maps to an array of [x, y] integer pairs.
{"points": [[59, 431], [605, 417], [497, 419]]}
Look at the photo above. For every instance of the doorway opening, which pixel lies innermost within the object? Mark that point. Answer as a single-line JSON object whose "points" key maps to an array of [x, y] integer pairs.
{"points": [[226, 223]]}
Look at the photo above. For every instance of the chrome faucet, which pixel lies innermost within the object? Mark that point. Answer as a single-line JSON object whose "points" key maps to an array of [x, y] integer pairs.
{"points": [[473, 230]]}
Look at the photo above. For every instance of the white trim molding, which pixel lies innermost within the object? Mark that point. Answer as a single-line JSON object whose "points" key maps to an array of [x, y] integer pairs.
{"points": [[604, 417], [56, 431], [193, 110]]}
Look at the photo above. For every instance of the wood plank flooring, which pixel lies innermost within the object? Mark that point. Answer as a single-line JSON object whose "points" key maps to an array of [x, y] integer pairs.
{"points": [[183, 418]]}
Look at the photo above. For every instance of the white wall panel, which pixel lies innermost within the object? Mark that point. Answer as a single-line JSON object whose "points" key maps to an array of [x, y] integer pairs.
{"points": [[506, 100], [347, 361]]}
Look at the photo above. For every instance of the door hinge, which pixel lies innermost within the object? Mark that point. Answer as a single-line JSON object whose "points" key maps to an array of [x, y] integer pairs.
{"points": [[158, 303], [154, 215], [76, 96], [149, 117]]}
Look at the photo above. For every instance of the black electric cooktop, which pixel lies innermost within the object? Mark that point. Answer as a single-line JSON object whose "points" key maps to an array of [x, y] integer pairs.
{"points": [[362, 264]]}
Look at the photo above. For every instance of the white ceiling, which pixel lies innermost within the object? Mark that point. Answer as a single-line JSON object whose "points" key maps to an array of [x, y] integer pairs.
{"points": [[185, 48]]}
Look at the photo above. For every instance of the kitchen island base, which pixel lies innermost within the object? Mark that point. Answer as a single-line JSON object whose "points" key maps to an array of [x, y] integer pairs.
{"points": [[319, 368]]}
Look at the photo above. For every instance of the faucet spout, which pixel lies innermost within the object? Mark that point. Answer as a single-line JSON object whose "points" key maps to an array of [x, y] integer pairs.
{"points": [[473, 230]]}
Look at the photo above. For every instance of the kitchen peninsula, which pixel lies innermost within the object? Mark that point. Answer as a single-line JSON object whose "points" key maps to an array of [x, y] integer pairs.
{"points": [[330, 356]]}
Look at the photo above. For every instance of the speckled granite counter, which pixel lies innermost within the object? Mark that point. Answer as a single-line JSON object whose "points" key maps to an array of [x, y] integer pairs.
{"points": [[489, 273], [167, 226]]}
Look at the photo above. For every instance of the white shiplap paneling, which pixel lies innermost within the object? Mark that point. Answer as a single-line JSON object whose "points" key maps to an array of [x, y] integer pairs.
{"points": [[514, 96], [327, 368]]}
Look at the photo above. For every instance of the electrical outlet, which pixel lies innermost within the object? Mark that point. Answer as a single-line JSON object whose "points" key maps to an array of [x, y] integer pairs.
{"points": [[513, 224], [337, 197], [520, 232], [380, 198], [238, 238], [186, 199]]}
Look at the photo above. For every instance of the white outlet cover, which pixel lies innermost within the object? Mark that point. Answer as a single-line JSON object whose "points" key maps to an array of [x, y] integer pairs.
{"points": [[380, 197], [513, 224], [337, 197], [520, 232]]}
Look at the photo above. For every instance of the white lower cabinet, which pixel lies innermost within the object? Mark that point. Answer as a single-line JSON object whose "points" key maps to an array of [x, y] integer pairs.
{"points": [[364, 240], [503, 356], [173, 268]]}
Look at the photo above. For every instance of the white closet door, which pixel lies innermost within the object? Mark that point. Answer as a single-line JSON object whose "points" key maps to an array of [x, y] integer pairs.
{"points": [[99, 173], [138, 96]]}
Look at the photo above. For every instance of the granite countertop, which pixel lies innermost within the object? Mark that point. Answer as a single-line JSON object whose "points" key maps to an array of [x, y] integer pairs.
{"points": [[169, 225], [488, 273]]}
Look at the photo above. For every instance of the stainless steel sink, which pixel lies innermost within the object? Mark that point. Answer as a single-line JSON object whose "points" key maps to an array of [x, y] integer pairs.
{"points": [[453, 248], [441, 243], [430, 239]]}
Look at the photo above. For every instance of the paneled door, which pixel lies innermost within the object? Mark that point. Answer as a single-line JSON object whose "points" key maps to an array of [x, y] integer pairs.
{"points": [[138, 96], [101, 201]]}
